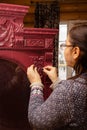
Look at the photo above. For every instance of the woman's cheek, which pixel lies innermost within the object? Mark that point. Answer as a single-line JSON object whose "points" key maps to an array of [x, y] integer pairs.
{"points": [[68, 58]]}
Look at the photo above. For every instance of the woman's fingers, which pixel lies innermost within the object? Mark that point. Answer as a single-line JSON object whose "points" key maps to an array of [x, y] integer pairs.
{"points": [[48, 67], [51, 72], [33, 74]]}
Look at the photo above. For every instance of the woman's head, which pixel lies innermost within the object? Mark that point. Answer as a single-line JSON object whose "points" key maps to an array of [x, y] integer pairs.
{"points": [[14, 95], [76, 54]]}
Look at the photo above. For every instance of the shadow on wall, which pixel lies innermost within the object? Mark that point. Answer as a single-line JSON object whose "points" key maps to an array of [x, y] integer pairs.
{"points": [[14, 97]]}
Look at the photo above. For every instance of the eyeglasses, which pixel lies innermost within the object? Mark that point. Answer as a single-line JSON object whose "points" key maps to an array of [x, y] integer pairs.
{"points": [[64, 45]]}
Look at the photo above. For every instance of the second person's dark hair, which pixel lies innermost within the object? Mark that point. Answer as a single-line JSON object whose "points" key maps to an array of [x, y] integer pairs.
{"points": [[78, 37]]}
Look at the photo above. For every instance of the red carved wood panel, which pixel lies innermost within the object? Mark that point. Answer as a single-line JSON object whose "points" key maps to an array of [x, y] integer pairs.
{"points": [[25, 46]]}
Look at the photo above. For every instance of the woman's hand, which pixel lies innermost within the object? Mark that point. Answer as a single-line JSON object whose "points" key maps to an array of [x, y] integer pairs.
{"points": [[33, 74], [51, 72]]}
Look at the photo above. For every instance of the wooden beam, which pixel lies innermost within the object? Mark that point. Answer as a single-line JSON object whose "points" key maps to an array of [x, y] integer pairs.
{"points": [[72, 1], [42, 1], [30, 25], [29, 18], [73, 7], [18, 2], [31, 9], [73, 16]]}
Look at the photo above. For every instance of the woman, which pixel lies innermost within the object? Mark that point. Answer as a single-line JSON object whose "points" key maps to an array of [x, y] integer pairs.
{"points": [[14, 96], [66, 107]]}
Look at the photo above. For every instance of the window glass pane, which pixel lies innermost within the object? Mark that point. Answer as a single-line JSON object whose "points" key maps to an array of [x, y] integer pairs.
{"points": [[62, 65], [62, 32]]}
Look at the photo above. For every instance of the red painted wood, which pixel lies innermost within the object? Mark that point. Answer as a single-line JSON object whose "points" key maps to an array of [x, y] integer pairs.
{"points": [[25, 46]]}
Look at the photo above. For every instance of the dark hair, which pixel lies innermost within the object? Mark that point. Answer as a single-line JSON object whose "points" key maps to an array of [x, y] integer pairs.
{"points": [[14, 95], [78, 37]]}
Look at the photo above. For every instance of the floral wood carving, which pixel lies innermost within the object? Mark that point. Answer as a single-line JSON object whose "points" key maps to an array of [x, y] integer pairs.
{"points": [[23, 45], [35, 42], [49, 43], [11, 24], [39, 63], [8, 30]]}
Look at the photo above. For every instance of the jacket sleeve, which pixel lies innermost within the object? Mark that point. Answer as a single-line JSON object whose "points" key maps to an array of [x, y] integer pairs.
{"points": [[55, 111]]}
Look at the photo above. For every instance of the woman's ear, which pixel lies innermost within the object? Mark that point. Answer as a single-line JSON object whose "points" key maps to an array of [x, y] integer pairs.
{"points": [[76, 52]]}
